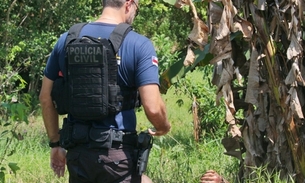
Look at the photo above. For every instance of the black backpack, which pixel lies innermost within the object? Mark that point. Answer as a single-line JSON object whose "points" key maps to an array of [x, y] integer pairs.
{"points": [[89, 90]]}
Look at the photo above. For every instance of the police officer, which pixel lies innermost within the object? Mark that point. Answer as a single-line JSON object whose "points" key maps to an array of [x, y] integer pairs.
{"points": [[139, 69]]}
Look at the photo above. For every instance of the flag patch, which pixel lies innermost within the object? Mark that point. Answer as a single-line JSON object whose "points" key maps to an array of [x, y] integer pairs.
{"points": [[154, 60]]}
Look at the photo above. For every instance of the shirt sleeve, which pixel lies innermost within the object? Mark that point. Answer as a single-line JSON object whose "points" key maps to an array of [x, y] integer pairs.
{"points": [[147, 71], [55, 62]]}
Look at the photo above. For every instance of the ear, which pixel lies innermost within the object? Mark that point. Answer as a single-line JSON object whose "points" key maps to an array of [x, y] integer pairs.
{"points": [[128, 4]]}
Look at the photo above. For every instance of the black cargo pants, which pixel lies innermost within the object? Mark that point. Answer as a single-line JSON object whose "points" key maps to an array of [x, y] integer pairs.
{"points": [[114, 165]]}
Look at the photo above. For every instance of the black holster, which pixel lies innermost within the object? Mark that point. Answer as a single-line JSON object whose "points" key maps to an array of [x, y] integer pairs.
{"points": [[145, 142]]}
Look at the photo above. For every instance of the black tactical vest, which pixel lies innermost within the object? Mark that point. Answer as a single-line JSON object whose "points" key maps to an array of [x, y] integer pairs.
{"points": [[91, 76]]}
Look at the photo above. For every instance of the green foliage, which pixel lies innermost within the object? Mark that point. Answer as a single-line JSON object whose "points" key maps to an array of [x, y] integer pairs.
{"points": [[209, 114], [38, 24], [164, 50], [177, 70], [29, 30], [264, 175], [13, 115], [159, 18], [10, 84]]}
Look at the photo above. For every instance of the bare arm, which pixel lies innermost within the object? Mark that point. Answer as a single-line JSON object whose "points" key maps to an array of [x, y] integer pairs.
{"points": [[155, 109], [50, 119], [49, 113]]}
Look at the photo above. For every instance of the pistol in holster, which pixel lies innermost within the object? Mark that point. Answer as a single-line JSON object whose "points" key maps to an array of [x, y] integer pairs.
{"points": [[145, 142]]}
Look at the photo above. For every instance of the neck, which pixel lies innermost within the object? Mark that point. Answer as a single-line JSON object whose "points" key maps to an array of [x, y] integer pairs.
{"points": [[107, 20], [111, 15]]}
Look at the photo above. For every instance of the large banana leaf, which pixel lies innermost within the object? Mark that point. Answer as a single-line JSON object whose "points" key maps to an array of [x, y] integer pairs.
{"points": [[178, 70]]}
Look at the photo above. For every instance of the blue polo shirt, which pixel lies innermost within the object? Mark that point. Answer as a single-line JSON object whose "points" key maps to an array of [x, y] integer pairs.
{"points": [[138, 67]]}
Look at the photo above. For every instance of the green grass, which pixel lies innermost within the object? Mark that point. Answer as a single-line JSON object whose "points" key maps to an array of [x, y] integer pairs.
{"points": [[185, 160], [175, 158]]}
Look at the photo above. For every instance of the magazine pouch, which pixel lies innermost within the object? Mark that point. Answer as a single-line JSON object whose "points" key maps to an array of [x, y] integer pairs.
{"points": [[100, 138], [80, 133]]}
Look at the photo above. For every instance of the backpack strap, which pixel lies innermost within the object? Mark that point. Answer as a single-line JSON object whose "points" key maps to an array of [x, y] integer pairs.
{"points": [[73, 32], [117, 36]]}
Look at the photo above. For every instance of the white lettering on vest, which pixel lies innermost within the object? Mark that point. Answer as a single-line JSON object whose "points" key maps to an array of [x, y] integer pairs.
{"points": [[85, 50], [85, 59]]}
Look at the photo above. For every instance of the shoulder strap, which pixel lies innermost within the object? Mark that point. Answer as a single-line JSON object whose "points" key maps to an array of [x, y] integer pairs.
{"points": [[74, 32], [117, 36]]}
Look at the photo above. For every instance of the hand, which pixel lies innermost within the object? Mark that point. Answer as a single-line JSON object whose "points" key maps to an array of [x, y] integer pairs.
{"points": [[58, 161], [156, 133], [211, 177]]}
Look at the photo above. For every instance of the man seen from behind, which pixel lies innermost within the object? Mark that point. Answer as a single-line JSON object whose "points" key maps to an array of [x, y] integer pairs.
{"points": [[138, 71]]}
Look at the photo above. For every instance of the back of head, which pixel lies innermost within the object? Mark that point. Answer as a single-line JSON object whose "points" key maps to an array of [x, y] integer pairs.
{"points": [[113, 3]]}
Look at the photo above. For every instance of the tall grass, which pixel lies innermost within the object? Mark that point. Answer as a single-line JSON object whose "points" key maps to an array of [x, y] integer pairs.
{"points": [[174, 158], [171, 159]]}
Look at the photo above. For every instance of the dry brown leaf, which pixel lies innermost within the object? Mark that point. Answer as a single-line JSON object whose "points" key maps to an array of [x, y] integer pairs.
{"points": [[215, 13], [227, 72], [199, 33], [261, 4], [229, 116], [271, 128], [234, 130], [294, 103], [223, 28], [244, 26], [293, 24], [301, 96], [219, 47], [230, 6], [294, 75], [232, 146], [239, 77], [227, 94], [190, 57], [181, 3], [217, 73], [263, 117], [253, 79], [300, 4], [295, 49], [247, 135], [221, 57]]}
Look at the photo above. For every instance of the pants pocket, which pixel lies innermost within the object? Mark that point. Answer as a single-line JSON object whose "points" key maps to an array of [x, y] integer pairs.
{"points": [[117, 162]]}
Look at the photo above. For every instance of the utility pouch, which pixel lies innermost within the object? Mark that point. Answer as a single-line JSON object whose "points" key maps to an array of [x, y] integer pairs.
{"points": [[145, 142], [66, 140], [80, 133], [59, 95], [100, 138]]}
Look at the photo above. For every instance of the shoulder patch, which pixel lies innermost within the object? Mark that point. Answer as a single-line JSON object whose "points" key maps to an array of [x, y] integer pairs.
{"points": [[154, 60]]}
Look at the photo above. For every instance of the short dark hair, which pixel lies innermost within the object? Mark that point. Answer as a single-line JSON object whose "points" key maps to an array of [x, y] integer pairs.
{"points": [[113, 3]]}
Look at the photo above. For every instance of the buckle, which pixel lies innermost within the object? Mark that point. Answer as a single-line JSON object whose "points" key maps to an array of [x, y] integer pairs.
{"points": [[117, 135]]}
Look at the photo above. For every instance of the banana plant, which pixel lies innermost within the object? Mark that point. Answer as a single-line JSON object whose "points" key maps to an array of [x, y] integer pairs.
{"points": [[256, 50]]}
